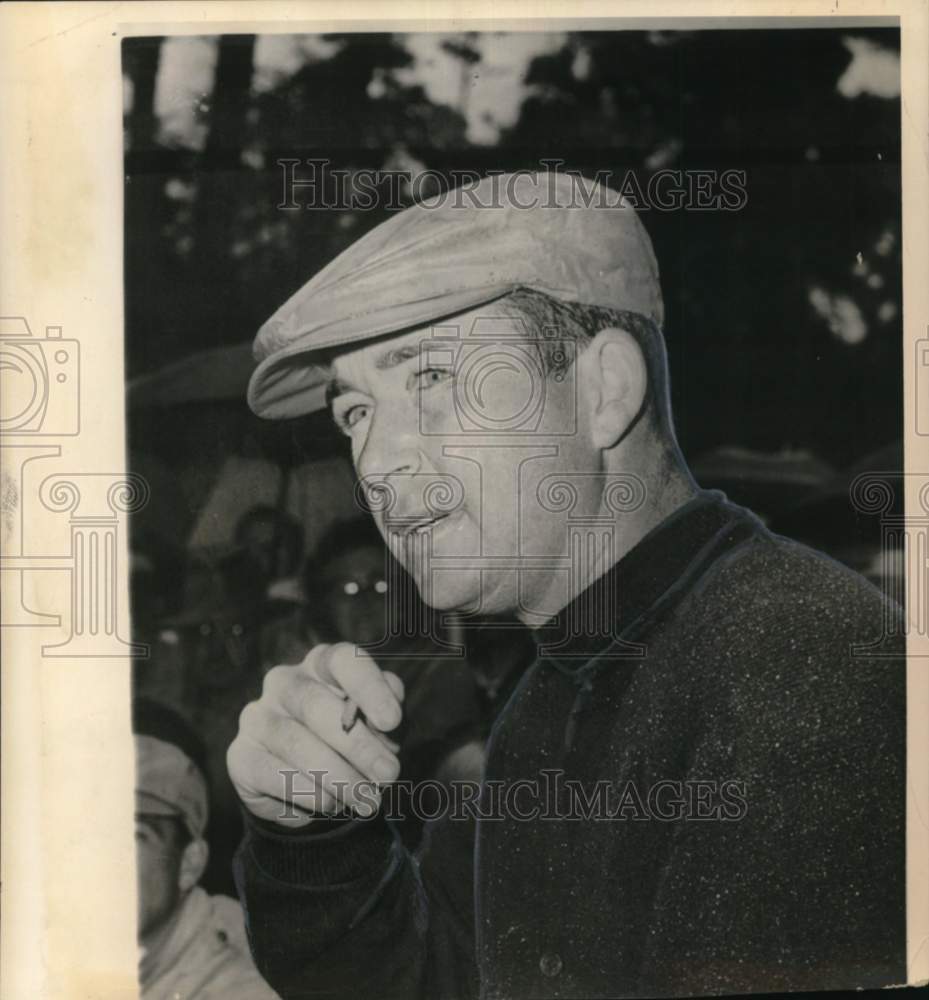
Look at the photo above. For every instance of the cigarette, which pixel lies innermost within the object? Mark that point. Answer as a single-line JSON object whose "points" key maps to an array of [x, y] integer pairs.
{"points": [[350, 713]]}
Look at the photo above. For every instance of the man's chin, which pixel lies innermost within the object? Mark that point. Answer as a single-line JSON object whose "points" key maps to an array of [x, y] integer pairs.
{"points": [[451, 591]]}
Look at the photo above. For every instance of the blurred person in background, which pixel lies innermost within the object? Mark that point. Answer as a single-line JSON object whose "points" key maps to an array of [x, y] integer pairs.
{"points": [[193, 945], [346, 584], [273, 540], [286, 635], [208, 639], [205, 664], [156, 581]]}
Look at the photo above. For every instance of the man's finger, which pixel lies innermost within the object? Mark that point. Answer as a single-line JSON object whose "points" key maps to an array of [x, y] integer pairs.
{"points": [[312, 731], [355, 673], [317, 661], [396, 685], [348, 772], [275, 791]]}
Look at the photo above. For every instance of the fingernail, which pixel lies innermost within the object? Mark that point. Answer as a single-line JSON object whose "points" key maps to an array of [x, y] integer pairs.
{"points": [[384, 769], [365, 808]]}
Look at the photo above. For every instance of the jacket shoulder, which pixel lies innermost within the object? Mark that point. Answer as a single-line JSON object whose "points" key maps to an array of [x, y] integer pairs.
{"points": [[783, 643], [779, 590]]}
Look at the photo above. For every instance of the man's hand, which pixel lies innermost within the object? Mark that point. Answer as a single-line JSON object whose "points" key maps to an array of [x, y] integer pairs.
{"points": [[296, 726]]}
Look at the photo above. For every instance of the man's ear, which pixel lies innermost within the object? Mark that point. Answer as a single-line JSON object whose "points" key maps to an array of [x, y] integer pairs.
{"points": [[614, 379], [193, 864]]}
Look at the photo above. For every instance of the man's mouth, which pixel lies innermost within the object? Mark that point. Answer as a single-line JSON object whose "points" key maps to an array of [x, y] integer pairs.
{"points": [[422, 526]]}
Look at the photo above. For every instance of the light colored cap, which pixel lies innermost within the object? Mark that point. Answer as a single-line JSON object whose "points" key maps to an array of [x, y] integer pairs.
{"points": [[169, 783], [557, 233]]}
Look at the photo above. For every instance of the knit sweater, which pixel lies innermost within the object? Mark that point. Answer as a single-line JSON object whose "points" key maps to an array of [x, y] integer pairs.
{"points": [[721, 776]]}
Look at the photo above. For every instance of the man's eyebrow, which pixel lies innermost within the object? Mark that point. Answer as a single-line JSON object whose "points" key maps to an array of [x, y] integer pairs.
{"points": [[397, 355], [392, 357]]}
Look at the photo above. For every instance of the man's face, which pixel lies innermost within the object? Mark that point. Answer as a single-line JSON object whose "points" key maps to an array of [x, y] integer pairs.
{"points": [[158, 863], [355, 585], [463, 406]]}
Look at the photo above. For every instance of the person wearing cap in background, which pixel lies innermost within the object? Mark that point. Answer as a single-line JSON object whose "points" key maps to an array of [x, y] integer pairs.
{"points": [[696, 669], [193, 945]]}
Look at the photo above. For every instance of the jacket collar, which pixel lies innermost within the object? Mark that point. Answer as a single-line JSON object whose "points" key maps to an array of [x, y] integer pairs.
{"points": [[193, 914], [602, 620]]}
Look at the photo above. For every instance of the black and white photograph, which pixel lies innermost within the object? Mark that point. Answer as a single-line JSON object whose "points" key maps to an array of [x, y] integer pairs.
{"points": [[586, 334], [519, 544]]}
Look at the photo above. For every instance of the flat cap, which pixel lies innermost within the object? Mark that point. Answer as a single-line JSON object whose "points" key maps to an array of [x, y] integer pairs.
{"points": [[169, 783], [557, 233]]}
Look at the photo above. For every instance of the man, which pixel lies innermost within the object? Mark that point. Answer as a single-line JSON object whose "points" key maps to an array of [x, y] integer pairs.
{"points": [[698, 785], [192, 945], [205, 664], [346, 584]]}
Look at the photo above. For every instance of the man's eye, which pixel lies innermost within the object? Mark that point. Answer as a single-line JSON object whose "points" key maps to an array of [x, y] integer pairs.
{"points": [[353, 414], [426, 378]]}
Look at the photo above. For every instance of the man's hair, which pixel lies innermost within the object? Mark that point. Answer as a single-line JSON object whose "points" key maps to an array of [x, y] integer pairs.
{"points": [[556, 323]]}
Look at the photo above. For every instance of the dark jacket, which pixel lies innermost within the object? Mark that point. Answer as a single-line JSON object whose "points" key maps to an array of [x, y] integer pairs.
{"points": [[751, 834]]}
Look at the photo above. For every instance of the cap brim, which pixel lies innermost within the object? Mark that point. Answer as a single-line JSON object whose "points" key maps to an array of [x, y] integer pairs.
{"points": [[288, 384]]}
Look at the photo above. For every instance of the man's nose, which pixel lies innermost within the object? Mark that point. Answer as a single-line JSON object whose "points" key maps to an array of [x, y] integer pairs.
{"points": [[392, 446]]}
